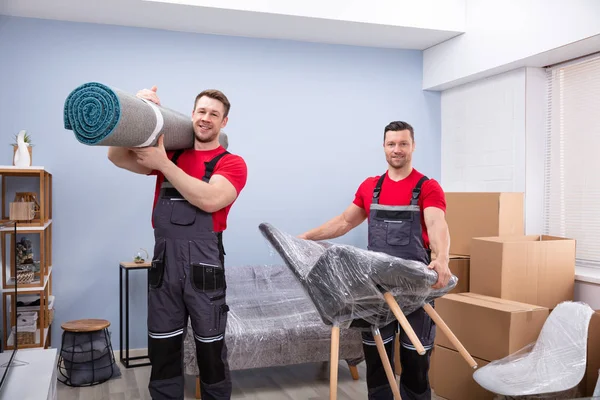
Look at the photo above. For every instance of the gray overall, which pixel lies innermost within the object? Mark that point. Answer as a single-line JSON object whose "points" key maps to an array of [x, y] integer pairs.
{"points": [[396, 230], [187, 278]]}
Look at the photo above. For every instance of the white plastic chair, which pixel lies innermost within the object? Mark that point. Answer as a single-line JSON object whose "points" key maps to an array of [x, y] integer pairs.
{"points": [[555, 363]]}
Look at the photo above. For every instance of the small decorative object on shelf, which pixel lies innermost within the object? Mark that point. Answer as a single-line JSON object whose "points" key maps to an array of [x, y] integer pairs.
{"points": [[25, 207], [25, 274], [24, 251], [22, 155], [139, 259]]}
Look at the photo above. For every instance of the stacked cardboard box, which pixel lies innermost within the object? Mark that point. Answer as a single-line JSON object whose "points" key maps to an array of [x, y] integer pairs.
{"points": [[514, 281], [535, 269], [490, 329], [479, 215], [488, 230]]}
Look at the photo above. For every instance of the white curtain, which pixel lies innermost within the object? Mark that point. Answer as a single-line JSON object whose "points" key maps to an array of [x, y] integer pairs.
{"points": [[572, 157]]}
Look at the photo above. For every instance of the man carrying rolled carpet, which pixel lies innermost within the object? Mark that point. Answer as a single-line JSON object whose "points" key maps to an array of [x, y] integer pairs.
{"points": [[195, 190], [406, 216]]}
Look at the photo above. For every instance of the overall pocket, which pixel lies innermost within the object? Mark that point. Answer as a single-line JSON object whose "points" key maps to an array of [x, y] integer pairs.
{"points": [[219, 312], [377, 234], [157, 268], [398, 232], [206, 271], [183, 213], [207, 277]]}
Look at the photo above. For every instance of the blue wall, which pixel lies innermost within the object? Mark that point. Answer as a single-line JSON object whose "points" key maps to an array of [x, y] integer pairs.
{"points": [[307, 118]]}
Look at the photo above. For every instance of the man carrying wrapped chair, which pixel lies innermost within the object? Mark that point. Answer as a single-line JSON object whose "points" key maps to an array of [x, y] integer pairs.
{"points": [[406, 217]]}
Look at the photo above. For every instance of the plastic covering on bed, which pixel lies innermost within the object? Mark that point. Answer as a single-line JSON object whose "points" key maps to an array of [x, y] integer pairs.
{"points": [[271, 322], [550, 368], [346, 284]]}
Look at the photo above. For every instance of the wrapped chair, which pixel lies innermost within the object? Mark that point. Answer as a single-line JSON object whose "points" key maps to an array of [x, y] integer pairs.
{"points": [[552, 367], [358, 289]]}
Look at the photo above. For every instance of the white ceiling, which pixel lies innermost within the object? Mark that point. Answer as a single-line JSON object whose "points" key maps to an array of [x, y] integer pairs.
{"points": [[376, 30]]}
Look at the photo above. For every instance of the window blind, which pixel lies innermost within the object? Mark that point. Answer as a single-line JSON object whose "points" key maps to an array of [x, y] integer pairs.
{"points": [[572, 157]]}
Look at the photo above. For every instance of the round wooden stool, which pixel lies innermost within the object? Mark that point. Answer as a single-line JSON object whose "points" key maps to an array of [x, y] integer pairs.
{"points": [[86, 356]]}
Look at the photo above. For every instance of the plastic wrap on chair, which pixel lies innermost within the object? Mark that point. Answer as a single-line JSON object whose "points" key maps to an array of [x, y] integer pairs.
{"points": [[552, 367], [346, 283]]}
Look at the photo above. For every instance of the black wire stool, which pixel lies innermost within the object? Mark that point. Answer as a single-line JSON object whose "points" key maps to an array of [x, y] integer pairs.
{"points": [[86, 356]]}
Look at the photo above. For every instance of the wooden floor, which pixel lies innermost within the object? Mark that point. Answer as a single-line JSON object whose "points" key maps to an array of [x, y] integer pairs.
{"points": [[299, 382]]}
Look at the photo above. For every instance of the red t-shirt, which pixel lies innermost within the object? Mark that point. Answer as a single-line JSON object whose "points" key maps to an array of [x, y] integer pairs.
{"points": [[230, 166], [400, 193]]}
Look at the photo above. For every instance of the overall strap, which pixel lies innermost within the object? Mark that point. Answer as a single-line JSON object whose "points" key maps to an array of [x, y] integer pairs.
{"points": [[417, 191], [174, 160], [377, 190], [210, 166], [176, 156]]}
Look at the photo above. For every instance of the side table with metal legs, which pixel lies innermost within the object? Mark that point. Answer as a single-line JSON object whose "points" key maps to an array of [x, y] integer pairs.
{"points": [[126, 267]]}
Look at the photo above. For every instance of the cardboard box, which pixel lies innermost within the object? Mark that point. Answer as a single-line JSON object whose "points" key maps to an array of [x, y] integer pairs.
{"points": [[452, 378], [488, 327], [531, 269], [480, 214], [459, 266]]}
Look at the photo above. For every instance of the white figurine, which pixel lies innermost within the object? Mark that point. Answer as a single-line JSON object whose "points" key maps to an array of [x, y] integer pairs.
{"points": [[22, 158]]}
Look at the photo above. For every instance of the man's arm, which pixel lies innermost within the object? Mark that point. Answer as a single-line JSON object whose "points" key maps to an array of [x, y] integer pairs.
{"points": [[439, 242], [124, 158], [218, 193], [339, 225]]}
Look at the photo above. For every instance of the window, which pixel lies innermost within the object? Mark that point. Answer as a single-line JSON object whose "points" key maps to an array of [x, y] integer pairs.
{"points": [[572, 157]]}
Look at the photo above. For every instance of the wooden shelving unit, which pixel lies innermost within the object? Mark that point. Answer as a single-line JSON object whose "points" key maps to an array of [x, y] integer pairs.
{"points": [[34, 297]]}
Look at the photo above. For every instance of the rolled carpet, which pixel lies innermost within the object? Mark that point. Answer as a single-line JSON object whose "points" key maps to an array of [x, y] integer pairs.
{"points": [[102, 116]]}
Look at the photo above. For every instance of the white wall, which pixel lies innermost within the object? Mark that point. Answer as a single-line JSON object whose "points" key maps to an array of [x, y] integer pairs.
{"points": [[504, 35], [493, 138], [483, 135]]}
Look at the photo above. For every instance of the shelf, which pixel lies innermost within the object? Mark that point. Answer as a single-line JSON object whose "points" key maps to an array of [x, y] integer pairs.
{"points": [[33, 308], [21, 289], [28, 228], [11, 340], [13, 244], [22, 170]]}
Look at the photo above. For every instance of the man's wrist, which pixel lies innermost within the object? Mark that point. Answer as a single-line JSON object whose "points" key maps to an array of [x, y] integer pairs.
{"points": [[166, 166], [443, 258]]}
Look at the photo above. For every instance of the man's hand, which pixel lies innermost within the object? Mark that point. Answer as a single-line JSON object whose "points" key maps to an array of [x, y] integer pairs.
{"points": [[154, 158], [149, 95], [441, 267]]}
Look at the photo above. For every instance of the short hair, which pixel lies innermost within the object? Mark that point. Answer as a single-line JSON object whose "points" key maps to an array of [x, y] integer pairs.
{"points": [[399, 126], [217, 95]]}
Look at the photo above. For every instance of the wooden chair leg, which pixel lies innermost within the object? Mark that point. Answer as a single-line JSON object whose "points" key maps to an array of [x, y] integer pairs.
{"points": [[353, 371], [450, 335], [198, 387], [386, 363], [334, 363], [393, 304]]}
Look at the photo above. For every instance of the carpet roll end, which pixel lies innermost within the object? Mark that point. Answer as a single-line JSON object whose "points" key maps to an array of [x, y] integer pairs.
{"points": [[100, 115]]}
